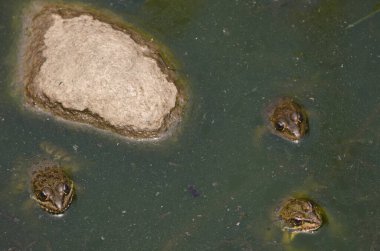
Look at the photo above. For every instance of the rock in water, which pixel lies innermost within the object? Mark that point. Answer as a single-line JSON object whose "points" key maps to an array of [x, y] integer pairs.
{"points": [[83, 68]]}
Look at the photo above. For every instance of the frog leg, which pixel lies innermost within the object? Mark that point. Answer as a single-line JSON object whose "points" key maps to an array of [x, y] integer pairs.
{"points": [[55, 152], [287, 237], [28, 204], [258, 133]]}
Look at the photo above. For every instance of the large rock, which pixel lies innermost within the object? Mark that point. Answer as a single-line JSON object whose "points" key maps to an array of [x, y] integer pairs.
{"points": [[83, 68]]}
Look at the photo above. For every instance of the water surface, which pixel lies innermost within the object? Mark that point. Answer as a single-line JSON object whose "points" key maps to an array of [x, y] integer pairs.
{"points": [[237, 56]]}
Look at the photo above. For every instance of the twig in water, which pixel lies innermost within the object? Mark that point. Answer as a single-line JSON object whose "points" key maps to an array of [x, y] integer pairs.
{"points": [[376, 10]]}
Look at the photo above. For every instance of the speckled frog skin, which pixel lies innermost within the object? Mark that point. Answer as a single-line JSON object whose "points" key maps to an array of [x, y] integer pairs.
{"points": [[51, 187], [299, 216], [287, 119]]}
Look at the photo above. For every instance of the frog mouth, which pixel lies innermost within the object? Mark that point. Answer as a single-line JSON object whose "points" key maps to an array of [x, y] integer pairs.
{"points": [[58, 208]]}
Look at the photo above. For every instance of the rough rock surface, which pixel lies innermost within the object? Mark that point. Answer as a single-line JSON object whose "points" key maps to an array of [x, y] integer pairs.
{"points": [[85, 69]]}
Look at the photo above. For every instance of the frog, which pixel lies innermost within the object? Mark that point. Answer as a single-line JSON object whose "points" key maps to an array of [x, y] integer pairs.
{"points": [[287, 119], [295, 214], [51, 187], [47, 178], [299, 215]]}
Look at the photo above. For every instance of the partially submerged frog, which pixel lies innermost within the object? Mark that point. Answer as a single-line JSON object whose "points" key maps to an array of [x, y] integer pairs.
{"points": [[299, 215], [47, 178], [51, 187], [287, 119], [294, 216]]}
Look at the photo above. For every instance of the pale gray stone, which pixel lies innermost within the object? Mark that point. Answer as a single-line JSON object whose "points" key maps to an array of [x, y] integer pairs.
{"points": [[85, 69]]}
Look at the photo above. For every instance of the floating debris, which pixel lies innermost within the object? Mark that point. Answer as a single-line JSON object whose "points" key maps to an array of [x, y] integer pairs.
{"points": [[193, 191], [371, 14]]}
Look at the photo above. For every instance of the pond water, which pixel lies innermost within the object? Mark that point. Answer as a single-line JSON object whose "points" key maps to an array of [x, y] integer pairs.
{"points": [[215, 184]]}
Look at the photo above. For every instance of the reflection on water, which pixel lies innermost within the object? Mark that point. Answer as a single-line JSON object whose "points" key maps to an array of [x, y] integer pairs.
{"points": [[238, 57]]}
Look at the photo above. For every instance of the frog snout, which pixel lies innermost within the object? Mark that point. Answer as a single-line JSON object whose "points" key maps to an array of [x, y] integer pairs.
{"points": [[58, 203], [295, 130]]}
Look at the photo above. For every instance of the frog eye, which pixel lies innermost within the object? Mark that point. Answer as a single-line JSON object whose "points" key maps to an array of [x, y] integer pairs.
{"points": [[308, 207], [297, 117], [280, 125], [300, 117], [297, 222], [63, 187], [294, 116], [44, 194], [66, 189]]}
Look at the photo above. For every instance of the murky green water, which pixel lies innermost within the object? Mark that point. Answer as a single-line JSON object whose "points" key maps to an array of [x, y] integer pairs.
{"points": [[237, 57]]}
